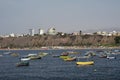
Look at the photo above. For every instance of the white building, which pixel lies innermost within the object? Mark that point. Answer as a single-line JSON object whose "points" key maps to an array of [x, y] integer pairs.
{"points": [[31, 32], [76, 33], [12, 35], [103, 33], [40, 31], [52, 31]]}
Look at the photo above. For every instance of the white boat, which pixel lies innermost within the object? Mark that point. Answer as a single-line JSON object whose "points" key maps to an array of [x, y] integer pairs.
{"points": [[25, 59], [110, 57], [29, 55], [7, 52]]}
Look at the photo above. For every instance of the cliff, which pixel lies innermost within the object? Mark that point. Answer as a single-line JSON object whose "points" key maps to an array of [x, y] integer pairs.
{"points": [[56, 40]]}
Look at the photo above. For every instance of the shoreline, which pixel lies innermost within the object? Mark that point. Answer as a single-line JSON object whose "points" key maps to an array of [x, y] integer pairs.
{"points": [[61, 48]]}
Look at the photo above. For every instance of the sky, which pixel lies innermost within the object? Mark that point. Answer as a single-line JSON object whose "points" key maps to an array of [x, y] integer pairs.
{"points": [[18, 16]]}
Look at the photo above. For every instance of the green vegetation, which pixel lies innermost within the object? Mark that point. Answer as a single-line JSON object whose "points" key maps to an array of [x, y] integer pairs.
{"points": [[117, 40]]}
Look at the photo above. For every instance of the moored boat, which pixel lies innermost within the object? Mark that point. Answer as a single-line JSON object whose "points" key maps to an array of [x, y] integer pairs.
{"points": [[85, 62], [7, 52], [108, 57], [22, 63], [29, 55], [35, 57], [70, 59], [14, 54], [64, 54], [56, 55], [42, 54], [25, 59]]}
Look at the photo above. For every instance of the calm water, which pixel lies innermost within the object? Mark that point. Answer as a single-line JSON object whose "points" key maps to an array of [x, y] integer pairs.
{"points": [[49, 68]]}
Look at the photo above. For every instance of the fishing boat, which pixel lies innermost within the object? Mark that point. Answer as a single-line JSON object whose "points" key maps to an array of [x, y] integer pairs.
{"points": [[55, 55], [22, 63], [85, 62], [64, 54], [35, 57], [25, 59], [31, 54], [7, 52], [42, 54], [108, 57], [90, 53], [14, 54], [103, 56], [70, 59]]}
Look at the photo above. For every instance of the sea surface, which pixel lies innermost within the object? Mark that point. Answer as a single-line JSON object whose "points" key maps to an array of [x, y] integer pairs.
{"points": [[53, 68]]}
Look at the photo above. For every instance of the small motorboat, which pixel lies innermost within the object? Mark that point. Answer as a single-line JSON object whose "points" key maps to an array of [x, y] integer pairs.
{"points": [[42, 54], [22, 63], [64, 54], [29, 55], [70, 59], [103, 56], [14, 54], [35, 57], [108, 57], [64, 57], [7, 52], [25, 59], [85, 62], [56, 55]]}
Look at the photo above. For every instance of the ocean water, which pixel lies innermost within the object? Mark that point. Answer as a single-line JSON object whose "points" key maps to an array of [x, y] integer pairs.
{"points": [[50, 68]]}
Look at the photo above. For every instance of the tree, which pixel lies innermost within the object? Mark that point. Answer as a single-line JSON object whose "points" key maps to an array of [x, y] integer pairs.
{"points": [[117, 40]]}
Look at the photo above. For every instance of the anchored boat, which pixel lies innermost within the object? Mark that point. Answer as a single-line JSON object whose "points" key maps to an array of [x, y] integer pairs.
{"points": [[85, 63], [22, 63]]}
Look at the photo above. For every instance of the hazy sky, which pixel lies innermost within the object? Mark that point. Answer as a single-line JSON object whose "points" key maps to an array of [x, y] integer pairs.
{"points": [[17, 16]]}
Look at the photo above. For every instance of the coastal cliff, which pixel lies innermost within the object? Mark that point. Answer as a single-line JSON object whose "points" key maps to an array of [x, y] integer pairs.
{"points": [[57, 40]]}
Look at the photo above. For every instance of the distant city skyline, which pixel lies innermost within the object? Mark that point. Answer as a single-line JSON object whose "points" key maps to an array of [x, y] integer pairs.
{"points": [[18, 16]]}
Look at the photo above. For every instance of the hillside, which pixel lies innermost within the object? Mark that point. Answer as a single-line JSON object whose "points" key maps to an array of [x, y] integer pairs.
{"points": [[57, 40]]}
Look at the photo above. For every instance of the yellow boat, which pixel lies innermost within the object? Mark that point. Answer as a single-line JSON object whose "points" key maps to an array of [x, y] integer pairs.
{"points": [[85, 63], [70, 59]]}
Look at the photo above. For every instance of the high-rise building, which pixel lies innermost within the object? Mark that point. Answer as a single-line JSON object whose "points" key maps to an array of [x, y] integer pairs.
{"points": [[31, 32]]}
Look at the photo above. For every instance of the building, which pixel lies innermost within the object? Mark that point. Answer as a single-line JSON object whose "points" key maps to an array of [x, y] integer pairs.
{"points": [[31, 32], [12, 35], [40, 31], [76, 33], [103, 33], [52, 31]]}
